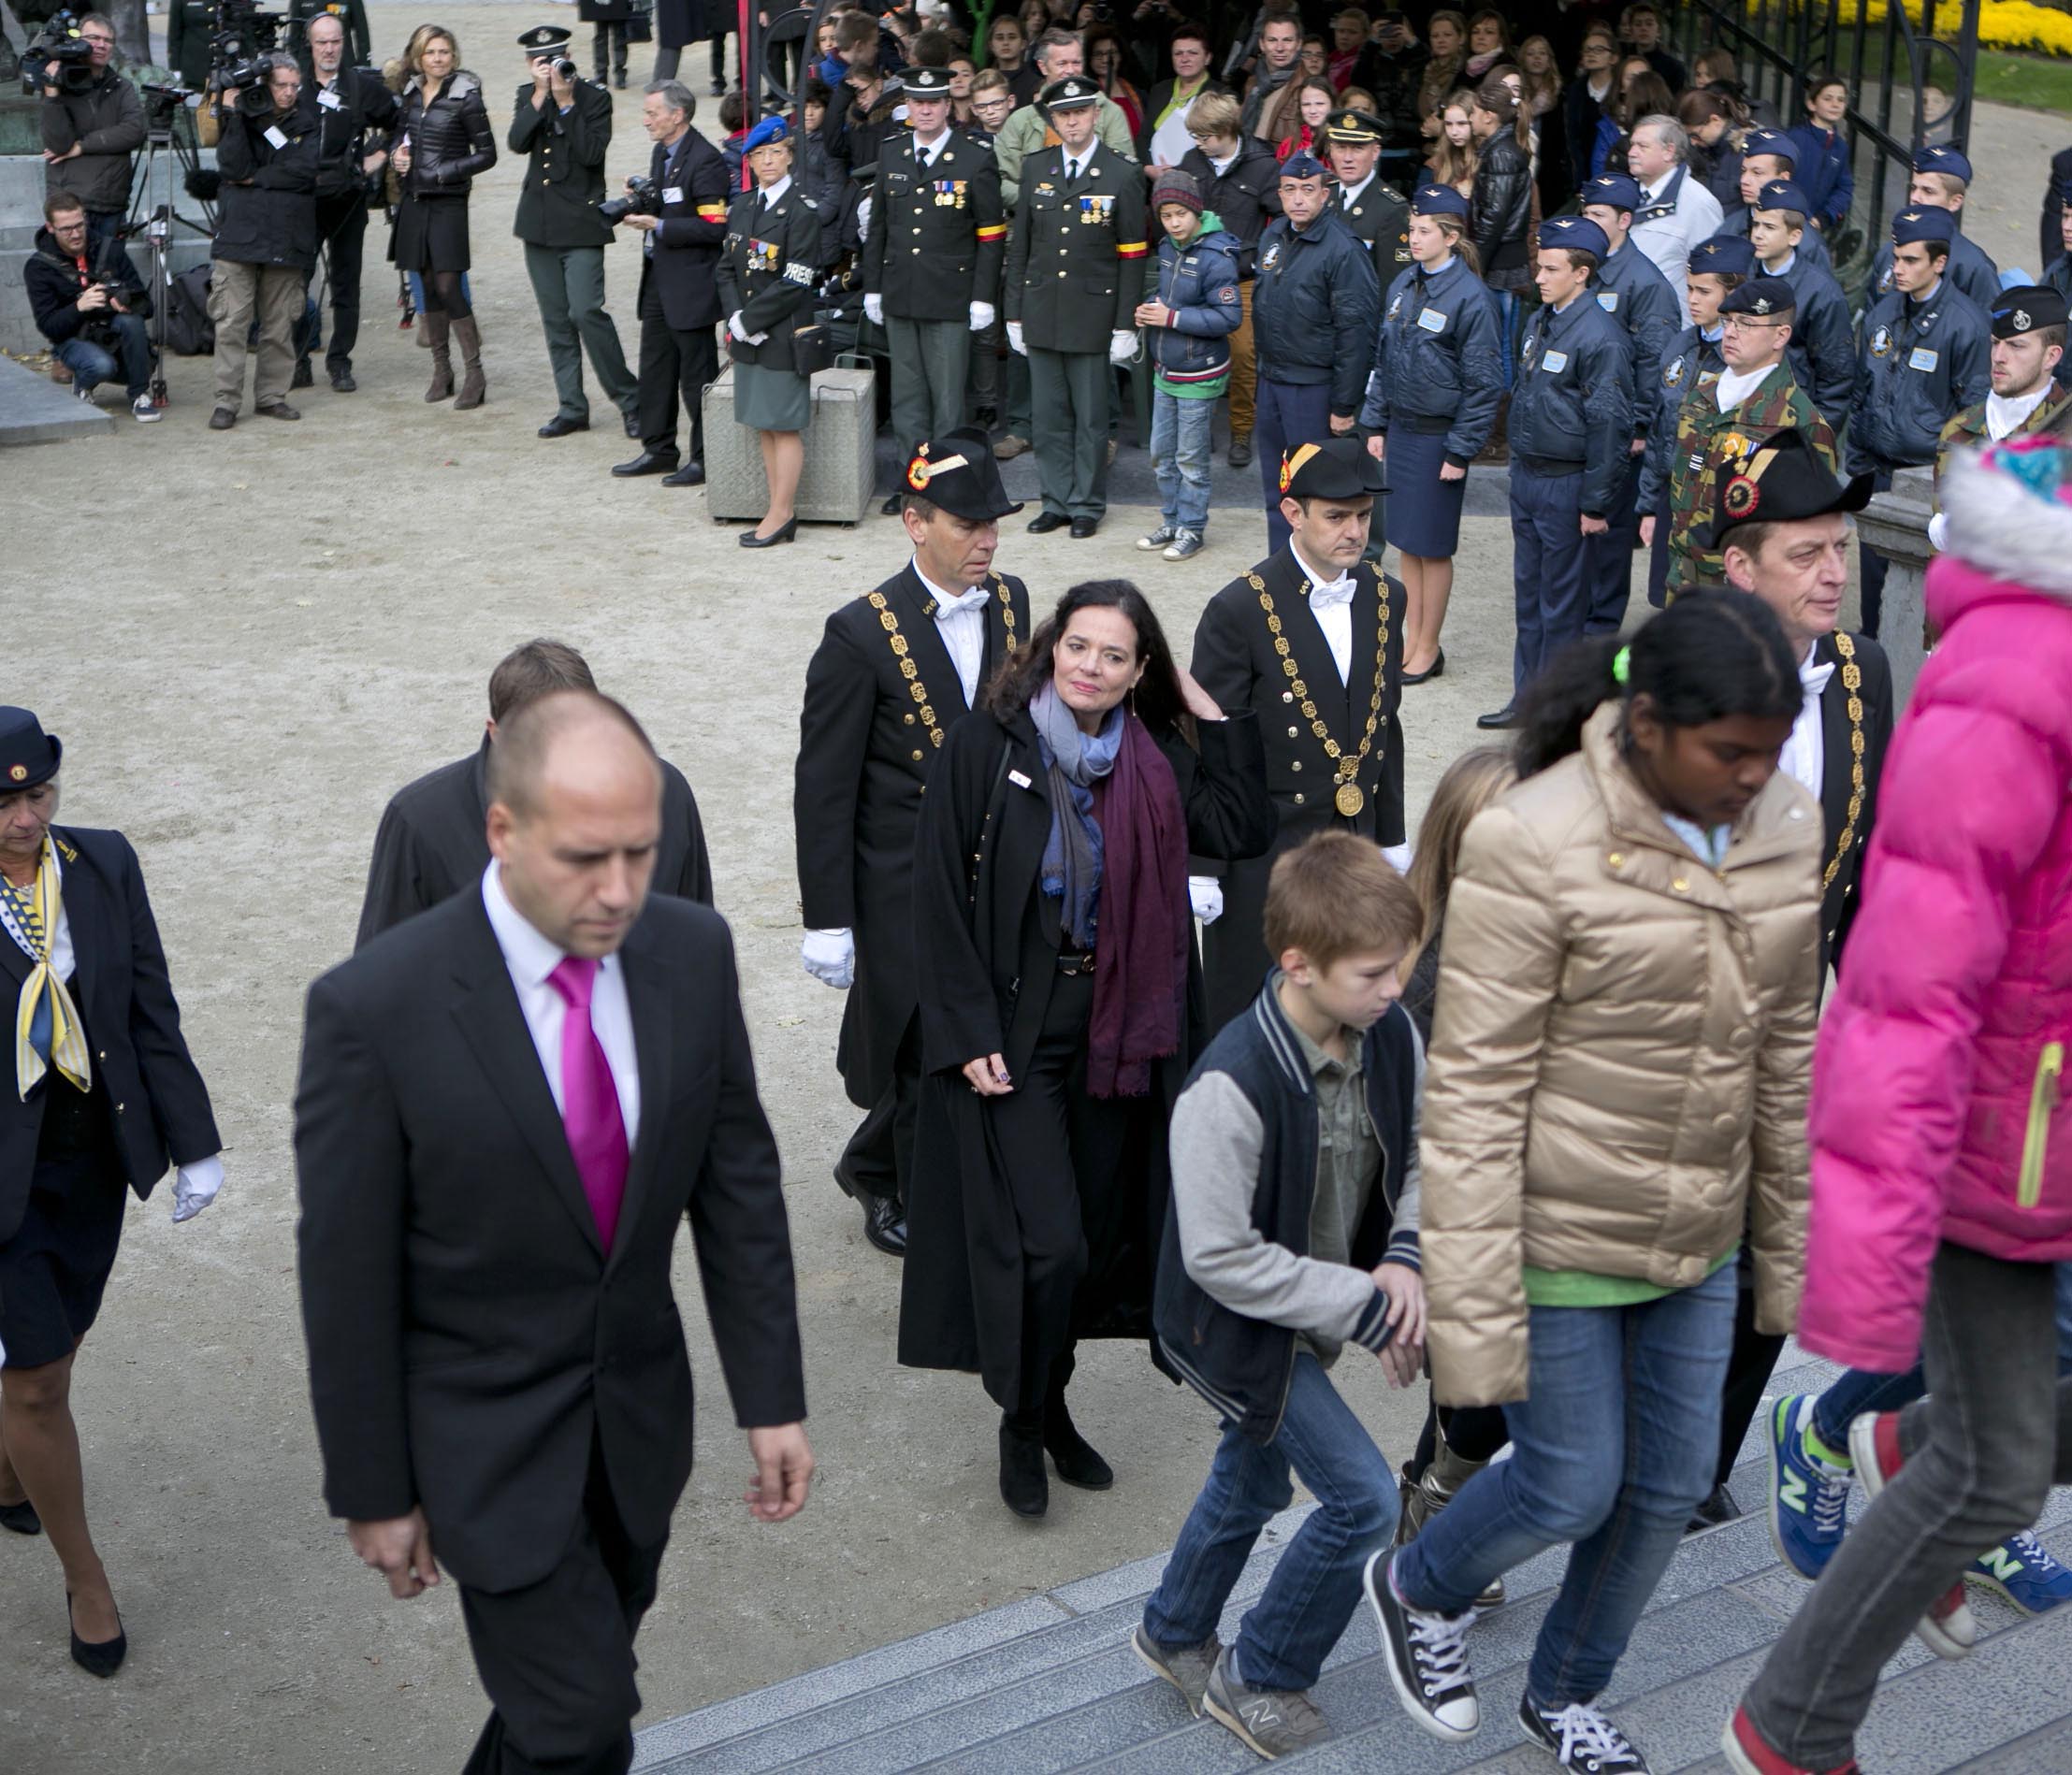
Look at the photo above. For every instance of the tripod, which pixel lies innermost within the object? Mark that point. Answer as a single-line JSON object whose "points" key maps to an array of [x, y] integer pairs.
{"points": [[153, 214]]}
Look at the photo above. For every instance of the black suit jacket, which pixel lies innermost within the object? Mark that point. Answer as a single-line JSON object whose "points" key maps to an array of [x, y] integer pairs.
{"points": [[693, 228], [433, 841], [156, 1101], [469, 1338], [1838, 902], [864, 756]]}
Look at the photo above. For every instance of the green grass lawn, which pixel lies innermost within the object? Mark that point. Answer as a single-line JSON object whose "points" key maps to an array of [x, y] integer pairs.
{"points": [[2042, 83]]}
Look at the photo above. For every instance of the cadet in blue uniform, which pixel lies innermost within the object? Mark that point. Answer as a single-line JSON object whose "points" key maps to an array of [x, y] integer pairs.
{"points": [[1313, 305], [1823, 347], [1632, 289], [1718, 267], [1431, 399], [1924, 354], [1571, 424], [1941, 177], [1767, 157]]}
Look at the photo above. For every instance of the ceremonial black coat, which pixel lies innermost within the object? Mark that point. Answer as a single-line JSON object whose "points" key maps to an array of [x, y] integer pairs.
{"points": [[564, 173], [867, 743], [1379, 216], [433, 841], [1838, 897], [985, 969], [1236, 663]]}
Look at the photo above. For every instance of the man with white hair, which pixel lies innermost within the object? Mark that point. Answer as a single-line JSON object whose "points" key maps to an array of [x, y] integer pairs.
{"points": [[1676, 210]]}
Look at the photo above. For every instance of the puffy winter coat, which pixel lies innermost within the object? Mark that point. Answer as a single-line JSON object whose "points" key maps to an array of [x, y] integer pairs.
{"points": [[1938, 1112], [450, 139], [1501, 209], [1199, 283], [1619, 1061]]}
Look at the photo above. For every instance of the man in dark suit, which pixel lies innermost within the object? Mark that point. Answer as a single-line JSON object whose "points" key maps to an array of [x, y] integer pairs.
{"points": [[506, 1108], [1327, 704], [354, 104], [432, 841], [895, 671], [679, 297], [563, 126]]}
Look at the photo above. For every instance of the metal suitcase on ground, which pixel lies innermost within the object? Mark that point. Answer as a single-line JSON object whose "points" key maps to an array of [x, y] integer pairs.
{"points": [[841, 465]]}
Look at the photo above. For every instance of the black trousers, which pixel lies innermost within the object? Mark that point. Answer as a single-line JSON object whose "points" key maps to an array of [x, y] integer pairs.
{"points": [[608, 34], [342, 225], [557, 1658], [673, 363], [1748, 1370], [879, 1157]]}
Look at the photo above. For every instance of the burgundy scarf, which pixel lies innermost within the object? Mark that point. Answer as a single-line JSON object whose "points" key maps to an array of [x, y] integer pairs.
{"points": [[1140, 967]]}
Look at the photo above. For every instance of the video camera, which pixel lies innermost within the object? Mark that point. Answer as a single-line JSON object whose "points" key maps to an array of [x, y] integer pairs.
{"points": [[57, 57], [642, 197], [243, 33]]}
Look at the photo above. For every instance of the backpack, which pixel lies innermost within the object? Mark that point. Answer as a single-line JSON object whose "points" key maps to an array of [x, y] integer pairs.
{"points": [[189, 331]]}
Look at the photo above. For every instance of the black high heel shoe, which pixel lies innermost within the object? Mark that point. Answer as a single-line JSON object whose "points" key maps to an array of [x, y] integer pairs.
{"points": [[102, 1659], [1436, 669], [749, 540], [22, 1518]]}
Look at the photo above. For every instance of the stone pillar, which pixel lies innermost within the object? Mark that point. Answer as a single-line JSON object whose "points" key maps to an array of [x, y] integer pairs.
{"points": [[1895, 524]]}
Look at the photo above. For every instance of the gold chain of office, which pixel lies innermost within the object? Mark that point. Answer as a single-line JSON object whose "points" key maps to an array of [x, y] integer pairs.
{"points": [[1852, 681], [1348, 797], [911, 672]]}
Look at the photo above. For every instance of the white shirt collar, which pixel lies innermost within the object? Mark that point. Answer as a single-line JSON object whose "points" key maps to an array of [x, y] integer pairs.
{"points": [[529, 955], [1332, 591], [2003, 412], [930, 150], [1222, 165], [771, 196], [971, 598], [1351, 192]]}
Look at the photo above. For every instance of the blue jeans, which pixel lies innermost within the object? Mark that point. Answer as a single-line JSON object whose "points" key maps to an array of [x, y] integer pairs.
{"points": [[1286, 1635], [1180, 450], [91, 364], [1612, 1451]]}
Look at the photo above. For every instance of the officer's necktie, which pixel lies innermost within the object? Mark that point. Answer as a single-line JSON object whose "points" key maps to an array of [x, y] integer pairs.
{"points": [[589, 1098], [47, 1025]]}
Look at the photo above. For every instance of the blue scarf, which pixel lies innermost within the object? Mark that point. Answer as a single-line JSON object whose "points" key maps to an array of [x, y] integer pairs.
{"points": [[1072, 854]]}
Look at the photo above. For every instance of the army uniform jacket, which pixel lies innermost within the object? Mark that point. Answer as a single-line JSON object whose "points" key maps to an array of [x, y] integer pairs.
{"points": [[1690, 356], [1970, 268], [1822, 351], [1632, 289], [564, 173], [2052, 417], [881, 694], [1075, 252], [1919, 364], [1314, 303], [938, 236], [1710, 446], [767, 271], [1438, 359], [1573, 406], [1379, 216]]}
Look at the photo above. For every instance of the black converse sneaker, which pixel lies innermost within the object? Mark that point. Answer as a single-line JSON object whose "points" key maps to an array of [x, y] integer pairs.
{"points": [[1580, 1738], [1427, 1657]]}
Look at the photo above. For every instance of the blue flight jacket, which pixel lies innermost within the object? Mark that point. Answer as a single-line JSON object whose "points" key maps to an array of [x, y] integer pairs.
{"points": [[1823, 353], [1632, 289], [1438, 359], [1313, 302], [1921, 364], [1969, 267], [1573, 404]]}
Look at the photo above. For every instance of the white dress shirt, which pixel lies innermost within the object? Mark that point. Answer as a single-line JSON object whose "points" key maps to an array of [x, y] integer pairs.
{"points": [[925, 153], [773, 194], [960, 621], [1350, 194], [532, 959], [1805, 756], [1734, 386], [1331, 604]]}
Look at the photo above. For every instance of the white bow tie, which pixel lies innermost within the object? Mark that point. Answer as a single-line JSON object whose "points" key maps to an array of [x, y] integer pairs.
{"points": [[1813, 679], [973, 598], [1330, 593]]}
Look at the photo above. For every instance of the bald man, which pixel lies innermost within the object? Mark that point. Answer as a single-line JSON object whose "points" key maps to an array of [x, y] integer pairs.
{"points": [[507, 1107]]}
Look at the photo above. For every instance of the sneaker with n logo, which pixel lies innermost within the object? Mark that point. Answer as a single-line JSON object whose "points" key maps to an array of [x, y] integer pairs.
{"points": [[2025, 1572], [1809, 1490], [1273, 1722]]}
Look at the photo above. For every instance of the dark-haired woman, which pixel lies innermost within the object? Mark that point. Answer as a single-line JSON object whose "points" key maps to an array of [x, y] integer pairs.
{"points": [[1615, 1097], [1061, 1006], [1500, 211]]}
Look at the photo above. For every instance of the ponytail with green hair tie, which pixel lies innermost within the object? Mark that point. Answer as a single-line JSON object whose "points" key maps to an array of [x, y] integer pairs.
{"points": [[1622, 665]]}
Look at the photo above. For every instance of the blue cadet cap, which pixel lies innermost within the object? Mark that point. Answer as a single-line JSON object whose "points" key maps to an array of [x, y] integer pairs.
{"points": [[1729, 254], [771, 129], [1944, 160], [1781, 193], [1438, 200], [1615, 189], [1923, 221], [1300, 165], [1578, 233], [1770, 141], [1760, 296]]}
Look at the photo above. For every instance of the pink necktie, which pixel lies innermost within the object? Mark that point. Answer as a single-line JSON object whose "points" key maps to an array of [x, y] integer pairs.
{"points": [[589, 1099]]}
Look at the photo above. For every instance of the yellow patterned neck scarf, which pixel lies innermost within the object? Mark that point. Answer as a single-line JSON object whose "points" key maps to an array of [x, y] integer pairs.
{"points": [[47, 1026]]}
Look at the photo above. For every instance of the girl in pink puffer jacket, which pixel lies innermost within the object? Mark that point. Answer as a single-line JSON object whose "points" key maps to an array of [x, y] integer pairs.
{"points": [[1942, 1149]]}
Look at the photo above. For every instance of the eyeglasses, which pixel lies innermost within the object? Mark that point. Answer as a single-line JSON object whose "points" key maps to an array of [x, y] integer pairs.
{"points": [[96, 36], [1744, 323]]}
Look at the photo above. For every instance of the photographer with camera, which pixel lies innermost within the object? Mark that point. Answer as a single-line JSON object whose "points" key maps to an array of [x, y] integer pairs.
{"points": [[93, 121], [91, 303], [681, 219], [563, 126], [350, 102], [266, 238]]}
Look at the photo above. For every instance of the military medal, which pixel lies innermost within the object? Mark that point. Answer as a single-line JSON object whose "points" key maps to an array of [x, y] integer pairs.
{"points": [[1349, 799]]}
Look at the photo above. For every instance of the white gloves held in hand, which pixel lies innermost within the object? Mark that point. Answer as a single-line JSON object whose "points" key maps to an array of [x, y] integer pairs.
{"points": [[194, 1187], [1014, 340], [981, 316], [1121, 347], [874, 309], [1204, 895], [829, 958]]}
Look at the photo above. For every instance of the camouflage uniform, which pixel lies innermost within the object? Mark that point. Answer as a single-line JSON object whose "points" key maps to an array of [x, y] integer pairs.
{"points": [[1967, 428]]}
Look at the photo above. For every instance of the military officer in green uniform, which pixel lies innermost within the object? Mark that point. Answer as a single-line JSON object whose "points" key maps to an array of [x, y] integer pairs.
{"points": [[1074, 273], [352, 14], [1376, 212], [189, 34], [2027, 400], [1725, 418]]}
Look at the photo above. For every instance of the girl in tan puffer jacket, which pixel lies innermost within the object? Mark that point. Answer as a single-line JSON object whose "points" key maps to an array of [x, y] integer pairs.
{"points": [[1615, 1097]]}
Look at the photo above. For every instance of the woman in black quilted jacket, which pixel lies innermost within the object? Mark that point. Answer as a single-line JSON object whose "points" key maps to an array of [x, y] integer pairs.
{"points": [[443, 140], [1500, 211]]}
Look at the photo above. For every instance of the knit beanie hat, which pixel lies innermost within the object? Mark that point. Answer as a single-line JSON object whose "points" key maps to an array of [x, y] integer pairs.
{"points": [[1175, 186]]}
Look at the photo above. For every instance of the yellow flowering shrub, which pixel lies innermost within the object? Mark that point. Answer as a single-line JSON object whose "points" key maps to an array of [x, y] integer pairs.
{"points": [[2003, 24]]}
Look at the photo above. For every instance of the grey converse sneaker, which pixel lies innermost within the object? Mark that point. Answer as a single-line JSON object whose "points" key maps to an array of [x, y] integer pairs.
{"points": [[1186, 1667], [1273, 1722], [1185, 545], [1157, 538]]}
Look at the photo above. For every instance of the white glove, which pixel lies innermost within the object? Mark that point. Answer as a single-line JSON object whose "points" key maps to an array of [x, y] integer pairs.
{"points": [[1121, 347], [735, 326], [1205, 894], [194, 1187], [1938, 532], [1014, 340], [830, 956], [1397, 858], [981, 316], [874, 309], [864, 219]]}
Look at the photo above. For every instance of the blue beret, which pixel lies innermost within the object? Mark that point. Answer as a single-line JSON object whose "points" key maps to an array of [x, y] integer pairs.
{"points": [[1770, 141], [1781, 193], [1300, 165], [771, 129], [1615, 189], [1438, 200], [1923, 221], [1577, 234], [1944, 160], [1729, 254]]}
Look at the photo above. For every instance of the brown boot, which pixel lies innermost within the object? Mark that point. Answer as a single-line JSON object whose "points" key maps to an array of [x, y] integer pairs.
{"points": [[468, 338], [1430, 1493], [435, 327]]}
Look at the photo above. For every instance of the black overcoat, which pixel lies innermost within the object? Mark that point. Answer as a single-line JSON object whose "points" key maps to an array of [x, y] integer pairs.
{"points": [[685, 261], [564, 172], [865, 753], [1838, 902], [985, 969]]}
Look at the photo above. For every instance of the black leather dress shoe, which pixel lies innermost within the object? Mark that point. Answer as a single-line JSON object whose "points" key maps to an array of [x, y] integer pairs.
{"points": [[561, 426], [1084, 527], [692, 474], [1506, 716], [632, 423], [891, 508], [749, 540], [22, 1518], [1044, 522], [1025, 1487], [102, 1658], [1436, 669], [1077, 1460], [885, 1224], [1717, 1511], [648, 462]]}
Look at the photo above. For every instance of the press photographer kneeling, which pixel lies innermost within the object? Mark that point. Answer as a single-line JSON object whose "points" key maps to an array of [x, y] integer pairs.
{"points": [[265, 240], [93, 119], [91, 303]]}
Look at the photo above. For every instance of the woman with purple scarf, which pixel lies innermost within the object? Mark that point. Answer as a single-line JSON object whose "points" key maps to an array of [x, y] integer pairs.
{"points": [[1061, 1007]]}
